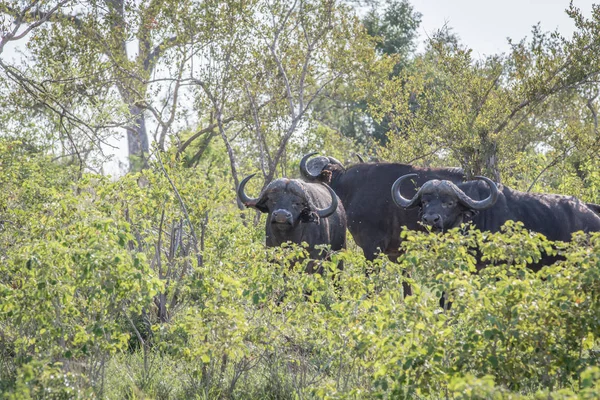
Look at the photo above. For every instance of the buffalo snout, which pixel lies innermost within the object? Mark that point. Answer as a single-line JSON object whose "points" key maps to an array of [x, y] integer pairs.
{"points": [[434, 220], [282, 217]]}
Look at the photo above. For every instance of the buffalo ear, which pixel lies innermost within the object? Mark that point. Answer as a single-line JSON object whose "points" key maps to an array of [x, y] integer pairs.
{"points": [[308, 216], [262, 206], [325, 176], [469, 214]]}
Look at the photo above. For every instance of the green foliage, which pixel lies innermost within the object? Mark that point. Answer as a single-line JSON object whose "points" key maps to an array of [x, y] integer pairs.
{"points": [[152, 285], [502, 115], [395, 27], [36, 380], [67, 274]]}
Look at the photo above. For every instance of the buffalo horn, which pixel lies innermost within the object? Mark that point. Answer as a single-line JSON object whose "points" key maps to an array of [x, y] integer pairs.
{"points": [[303, 170], [397, 196], [478, 204], [326, 212], [248, 201], [334, 160]]}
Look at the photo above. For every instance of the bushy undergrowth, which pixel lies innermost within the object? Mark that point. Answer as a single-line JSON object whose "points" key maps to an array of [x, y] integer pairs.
{"points": [[155, 286]]}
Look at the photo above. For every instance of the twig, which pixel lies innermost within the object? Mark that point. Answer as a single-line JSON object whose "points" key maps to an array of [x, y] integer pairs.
{"points": [[550, 165], [183, 208]]}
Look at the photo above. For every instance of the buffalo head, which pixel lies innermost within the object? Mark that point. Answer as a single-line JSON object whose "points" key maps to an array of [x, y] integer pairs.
{"points": [[318, 168], [443, 204], [286, 202]]}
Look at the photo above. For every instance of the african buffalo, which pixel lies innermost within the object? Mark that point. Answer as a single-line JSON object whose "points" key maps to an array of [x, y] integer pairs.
{"points": [[373, 219], [293, 215], [445, 205], [594, 207]]}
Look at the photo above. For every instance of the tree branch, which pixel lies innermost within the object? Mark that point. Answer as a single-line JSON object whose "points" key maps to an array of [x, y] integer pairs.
{"points": [[590, 105], [183, 208], [550, 165], [44, 17], [202, 132], [150, 61], [54, 105]]}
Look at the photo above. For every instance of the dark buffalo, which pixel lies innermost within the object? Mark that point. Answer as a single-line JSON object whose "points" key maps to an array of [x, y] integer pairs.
{"points": [[293, 215], [445, 205], [594, 207], [373, 219]]}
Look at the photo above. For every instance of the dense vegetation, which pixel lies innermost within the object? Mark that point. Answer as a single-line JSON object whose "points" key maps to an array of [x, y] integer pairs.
{"points": [[154, 284]]}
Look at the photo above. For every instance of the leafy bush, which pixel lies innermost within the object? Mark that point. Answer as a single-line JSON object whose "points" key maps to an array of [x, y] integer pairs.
{"points": [[155, 285]]}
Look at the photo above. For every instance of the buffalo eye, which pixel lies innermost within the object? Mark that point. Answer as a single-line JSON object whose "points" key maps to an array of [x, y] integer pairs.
{"points": [[449, 204]]}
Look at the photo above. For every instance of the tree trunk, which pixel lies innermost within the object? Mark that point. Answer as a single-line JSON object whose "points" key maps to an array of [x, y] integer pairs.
{"points": [[489, 157], [483, 159], [137, 139]]}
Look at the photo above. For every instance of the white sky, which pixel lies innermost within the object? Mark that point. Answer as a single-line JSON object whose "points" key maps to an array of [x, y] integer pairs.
{"points": [[484, 25]]}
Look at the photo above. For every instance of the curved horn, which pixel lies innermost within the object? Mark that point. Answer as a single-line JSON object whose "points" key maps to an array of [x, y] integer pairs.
{"points": [[402, 201], [478, 204], [334, 160], [304, 171], [247, 201], [360, 159], [326, 212]]}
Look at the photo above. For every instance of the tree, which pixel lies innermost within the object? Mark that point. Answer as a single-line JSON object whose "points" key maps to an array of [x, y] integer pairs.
{"points": [[111, 64], [18, 21], [393, 24], [255, 68], [266, 67], [483, 114]]}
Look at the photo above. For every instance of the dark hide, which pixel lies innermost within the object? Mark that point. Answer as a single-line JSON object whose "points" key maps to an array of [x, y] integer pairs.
{"points": [[556, 217], [594, 207], [374, 221], [291, 206]]}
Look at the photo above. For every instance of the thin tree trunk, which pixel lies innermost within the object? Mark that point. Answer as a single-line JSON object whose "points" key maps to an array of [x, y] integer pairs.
{"points": [[486, 159], [137, 140]]}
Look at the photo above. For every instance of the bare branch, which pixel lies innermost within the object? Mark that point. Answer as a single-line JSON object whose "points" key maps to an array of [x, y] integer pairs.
{"points": [[219, 117], [264, 149], [484, 99], [72, 143], [550, 165], [272, 47], [53, 104], [203, 146], [541, 97], [424, 155], [169, 122], [183, 208], [590, 105], [13, 36], [202, 132], [152, 58]]}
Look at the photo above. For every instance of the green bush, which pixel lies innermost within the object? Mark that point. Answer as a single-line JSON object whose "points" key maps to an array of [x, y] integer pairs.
{"points": [[155, 285]]}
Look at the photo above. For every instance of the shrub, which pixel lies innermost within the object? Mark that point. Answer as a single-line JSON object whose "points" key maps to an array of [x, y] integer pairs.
{"points": [[155, 285]]}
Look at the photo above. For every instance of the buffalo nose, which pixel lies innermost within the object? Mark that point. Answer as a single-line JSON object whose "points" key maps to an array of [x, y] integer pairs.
{"points": [[281, 217], [431, 219]]}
